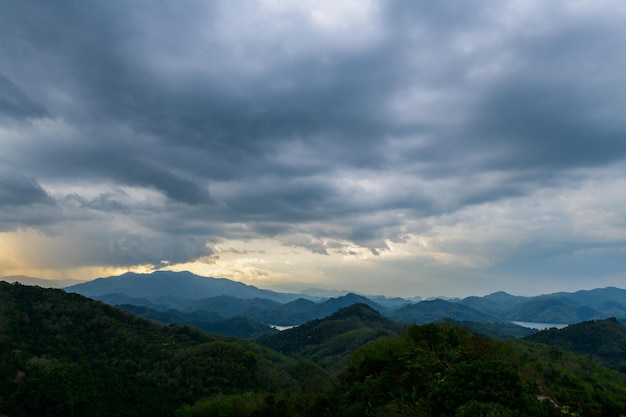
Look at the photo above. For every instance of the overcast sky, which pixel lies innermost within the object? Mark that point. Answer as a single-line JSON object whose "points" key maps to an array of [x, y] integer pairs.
{"points": [[388, 147]]}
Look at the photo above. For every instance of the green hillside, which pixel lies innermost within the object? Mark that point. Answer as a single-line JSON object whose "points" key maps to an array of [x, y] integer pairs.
{"points": [[65, 355], [440, 369], [498, 330], [331, 340], [602, 341]]}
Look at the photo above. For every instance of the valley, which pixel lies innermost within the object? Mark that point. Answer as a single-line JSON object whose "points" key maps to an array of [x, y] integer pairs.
{"points": [[65, 354]]}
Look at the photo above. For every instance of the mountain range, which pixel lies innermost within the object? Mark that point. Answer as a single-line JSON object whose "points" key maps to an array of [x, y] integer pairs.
{"points": [[191, 299], [65, 354]]}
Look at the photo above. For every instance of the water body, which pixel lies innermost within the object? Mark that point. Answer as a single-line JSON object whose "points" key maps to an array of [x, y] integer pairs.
{"points": [[281, 328], [540, 326]]}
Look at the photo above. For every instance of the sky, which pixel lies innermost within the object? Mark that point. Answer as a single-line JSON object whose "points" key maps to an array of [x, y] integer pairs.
{"points": [[403, 148]]}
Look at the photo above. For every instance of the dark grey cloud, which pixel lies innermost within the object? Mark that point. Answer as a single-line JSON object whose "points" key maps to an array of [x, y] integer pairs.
{"points": [[552, 125], [136, 249], [19, 190], [254, 120], [15, 103], [24, 203]]}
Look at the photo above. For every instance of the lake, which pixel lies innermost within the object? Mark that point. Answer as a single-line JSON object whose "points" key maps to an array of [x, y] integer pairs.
{"points": [[281, 328], [539, 326]]}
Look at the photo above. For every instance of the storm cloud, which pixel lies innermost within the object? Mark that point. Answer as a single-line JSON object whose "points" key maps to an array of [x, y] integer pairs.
{"points": [[472, 145]]}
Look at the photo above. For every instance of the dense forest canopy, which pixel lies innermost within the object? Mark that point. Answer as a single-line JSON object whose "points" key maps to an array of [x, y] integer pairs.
{"points": [[66, 355]]}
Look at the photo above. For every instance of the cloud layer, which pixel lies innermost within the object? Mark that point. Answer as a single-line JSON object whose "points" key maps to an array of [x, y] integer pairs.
{"points": [[456, 147]]}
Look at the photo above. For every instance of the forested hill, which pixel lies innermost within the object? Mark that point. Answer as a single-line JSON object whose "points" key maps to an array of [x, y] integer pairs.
{"points": [[603, 341], [66, 355], [331, 340]]}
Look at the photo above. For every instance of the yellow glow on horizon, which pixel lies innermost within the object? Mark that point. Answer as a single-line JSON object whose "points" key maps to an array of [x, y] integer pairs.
{"points": [[264, 263]]}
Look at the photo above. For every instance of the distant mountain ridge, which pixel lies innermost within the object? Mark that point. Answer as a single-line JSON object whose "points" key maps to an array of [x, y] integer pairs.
{"points": [[558, 308], [183, 286], [193, 294], [434, 310]]}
